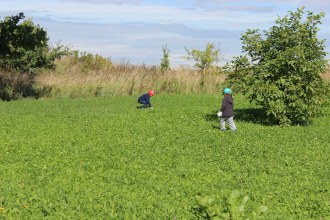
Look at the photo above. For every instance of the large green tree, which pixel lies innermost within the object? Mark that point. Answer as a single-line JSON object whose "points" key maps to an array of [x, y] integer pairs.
{"points": [[24, 45], [281, 68], [24, 50]]}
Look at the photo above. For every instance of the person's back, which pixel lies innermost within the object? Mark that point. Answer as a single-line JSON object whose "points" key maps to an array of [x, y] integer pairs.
{"points": [[227, 107], [144, 97]]}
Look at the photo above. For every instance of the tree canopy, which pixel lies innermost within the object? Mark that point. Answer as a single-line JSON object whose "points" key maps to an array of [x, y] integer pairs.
{"points": [[24, 45], [281, 68], [24, 50], [204, 59]]}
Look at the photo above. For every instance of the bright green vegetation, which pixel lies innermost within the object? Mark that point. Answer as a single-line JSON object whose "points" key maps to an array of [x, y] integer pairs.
{"points": [[281, 68], [104, 159]]}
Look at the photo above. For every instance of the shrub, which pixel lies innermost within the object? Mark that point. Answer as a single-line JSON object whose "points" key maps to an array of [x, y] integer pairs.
{"points": [[15, 85], [233, 208], [282, 72], [89, 62]]}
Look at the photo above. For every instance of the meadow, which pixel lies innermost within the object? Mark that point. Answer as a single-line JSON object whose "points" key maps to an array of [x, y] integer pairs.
{"points": [[101, 158]]}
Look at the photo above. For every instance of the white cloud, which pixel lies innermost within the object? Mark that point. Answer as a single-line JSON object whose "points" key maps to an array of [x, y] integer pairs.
{"points": [[136, 29], [104, 1], [109, 13]]}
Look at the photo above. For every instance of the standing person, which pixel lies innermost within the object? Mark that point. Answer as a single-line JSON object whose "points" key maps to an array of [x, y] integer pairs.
{"points": [[145, 99], [226, 112]]}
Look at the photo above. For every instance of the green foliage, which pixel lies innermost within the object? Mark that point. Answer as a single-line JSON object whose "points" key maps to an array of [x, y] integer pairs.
{"points": [[24, 46], [165, 62], [204, 59], [282, 72], [233, 209], [15, 86], [23, 51], [89, 62], [56, 52], [101, 158]]}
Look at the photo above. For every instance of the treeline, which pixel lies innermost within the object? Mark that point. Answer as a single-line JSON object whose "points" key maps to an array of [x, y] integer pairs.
{"points": [[29, 67]]}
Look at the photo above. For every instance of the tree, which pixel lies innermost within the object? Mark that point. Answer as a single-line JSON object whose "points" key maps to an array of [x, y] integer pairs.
{"points": [[24, 45], [281, 72], [204, 59], [165, 61], [23, 51]]}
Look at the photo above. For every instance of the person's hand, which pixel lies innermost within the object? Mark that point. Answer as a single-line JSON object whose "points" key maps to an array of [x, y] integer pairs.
{"points": [[219, 113]]}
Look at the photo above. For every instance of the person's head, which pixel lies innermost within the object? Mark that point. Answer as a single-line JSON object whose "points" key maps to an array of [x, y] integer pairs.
{"points": [[151, 93], [227, 91]]}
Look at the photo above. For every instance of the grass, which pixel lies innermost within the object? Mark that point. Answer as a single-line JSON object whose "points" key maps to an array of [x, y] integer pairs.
{"points": [[103, 158], [75, 78]]}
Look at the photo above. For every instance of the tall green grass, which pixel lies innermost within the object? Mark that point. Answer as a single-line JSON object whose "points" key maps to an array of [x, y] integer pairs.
{"points": [[99, 158]]}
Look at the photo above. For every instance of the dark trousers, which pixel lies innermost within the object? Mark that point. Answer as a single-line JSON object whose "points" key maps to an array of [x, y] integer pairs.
{"points": [[144, 103]]}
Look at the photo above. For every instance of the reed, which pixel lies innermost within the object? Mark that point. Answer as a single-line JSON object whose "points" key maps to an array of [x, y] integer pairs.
{"points": [[95, 76], [74, 78]]}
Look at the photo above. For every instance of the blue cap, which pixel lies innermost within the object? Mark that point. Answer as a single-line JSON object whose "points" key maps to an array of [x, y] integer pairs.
{"points": [[227, 91]]}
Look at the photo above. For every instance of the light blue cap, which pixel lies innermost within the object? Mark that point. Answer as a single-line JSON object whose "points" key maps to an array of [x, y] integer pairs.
{"points": [[227, 91]]}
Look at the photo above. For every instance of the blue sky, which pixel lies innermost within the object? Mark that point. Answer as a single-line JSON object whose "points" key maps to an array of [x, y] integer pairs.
{"points": [[134, 31]]}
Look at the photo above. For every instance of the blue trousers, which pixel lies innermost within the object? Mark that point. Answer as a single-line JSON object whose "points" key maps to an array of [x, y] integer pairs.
{"points": [[144, 103]]}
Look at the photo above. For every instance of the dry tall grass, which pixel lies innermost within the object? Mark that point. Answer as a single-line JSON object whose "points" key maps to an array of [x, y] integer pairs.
{"points": [[94, 76], [72, 78], [326, 75]]}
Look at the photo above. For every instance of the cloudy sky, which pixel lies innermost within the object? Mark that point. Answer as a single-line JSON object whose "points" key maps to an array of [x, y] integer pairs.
{"points": [[135, 31]]}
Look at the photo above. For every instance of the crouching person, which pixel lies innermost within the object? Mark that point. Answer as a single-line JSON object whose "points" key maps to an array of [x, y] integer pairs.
{"points": [[226, 112], [145, 99]]}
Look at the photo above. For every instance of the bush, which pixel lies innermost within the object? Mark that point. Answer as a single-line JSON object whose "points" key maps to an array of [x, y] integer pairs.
{"points": [[90, 62], [282, 72], [15, 85], [233, 208]]}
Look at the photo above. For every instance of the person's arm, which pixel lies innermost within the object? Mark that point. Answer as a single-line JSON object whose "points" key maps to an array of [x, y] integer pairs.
{"points": [[223, 106], [148, 101], [219, 113]]}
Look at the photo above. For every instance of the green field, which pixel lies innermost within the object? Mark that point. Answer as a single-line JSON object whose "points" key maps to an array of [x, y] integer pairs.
{"points": [[102, 158]]}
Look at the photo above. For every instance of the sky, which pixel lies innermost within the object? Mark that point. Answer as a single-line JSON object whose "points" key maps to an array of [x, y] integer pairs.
{"points": [[134, 31]]}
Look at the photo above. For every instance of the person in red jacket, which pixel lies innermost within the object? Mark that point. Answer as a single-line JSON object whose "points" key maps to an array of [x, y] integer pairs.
{"points": [[145, 99], [226, 112]]}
